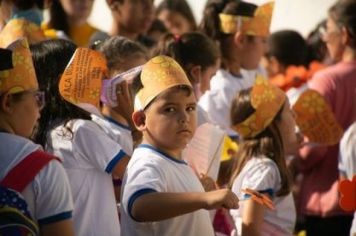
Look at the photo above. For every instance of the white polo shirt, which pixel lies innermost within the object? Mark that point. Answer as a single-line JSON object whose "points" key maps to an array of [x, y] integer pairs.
{"points": [[89, 155], [150, 170]]}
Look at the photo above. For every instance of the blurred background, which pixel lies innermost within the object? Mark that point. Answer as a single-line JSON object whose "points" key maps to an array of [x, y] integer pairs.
{"points": [[300, 15]]}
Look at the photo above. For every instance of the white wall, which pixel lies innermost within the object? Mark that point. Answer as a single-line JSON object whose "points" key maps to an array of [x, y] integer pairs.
{"points": [[300, 15]]}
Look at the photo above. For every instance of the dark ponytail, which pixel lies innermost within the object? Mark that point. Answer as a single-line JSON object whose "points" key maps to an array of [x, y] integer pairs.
{"points": [[210, 24], [189, 49]]}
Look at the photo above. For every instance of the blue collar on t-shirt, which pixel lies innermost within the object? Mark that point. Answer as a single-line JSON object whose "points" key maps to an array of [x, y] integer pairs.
{"points": [[162, 153], [115, 122]]}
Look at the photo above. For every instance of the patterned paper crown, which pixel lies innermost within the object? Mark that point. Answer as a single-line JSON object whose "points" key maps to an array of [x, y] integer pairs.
{"points": [[20, 76], [258, 25], [267, 100], [19, 28], [316, 120], [159, 74], [81, 81]]}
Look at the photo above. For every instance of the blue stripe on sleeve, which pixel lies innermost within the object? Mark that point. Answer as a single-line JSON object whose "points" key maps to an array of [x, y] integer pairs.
{"points": [[136, 195], [52, 219], [269, 191], [114, 161]]}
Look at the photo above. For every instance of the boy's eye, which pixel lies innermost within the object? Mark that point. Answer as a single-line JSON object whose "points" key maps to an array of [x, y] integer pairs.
{"points": [[191, 108], [169, 109]]}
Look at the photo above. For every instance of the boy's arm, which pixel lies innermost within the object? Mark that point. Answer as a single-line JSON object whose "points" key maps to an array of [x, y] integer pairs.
{"points": [[60, 228], [161, 206]]}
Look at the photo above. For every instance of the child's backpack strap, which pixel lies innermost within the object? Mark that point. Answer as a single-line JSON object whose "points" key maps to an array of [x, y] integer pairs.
{"points": [[25, 171]]}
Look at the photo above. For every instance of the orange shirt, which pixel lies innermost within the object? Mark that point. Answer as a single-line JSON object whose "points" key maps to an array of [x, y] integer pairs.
{"points": [[79, 34]]}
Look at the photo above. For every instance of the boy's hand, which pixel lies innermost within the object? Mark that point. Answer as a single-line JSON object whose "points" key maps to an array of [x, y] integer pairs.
{"points": [[221, 198], [208, 183], [125, 104]]}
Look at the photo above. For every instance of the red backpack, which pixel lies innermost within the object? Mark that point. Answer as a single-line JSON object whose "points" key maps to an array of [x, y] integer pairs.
{"points": [[15, 218]]}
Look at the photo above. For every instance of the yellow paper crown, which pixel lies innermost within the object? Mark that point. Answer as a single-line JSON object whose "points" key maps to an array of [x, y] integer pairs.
{"points": [[22, 76], [316, 120], [19, 28], [159, 74], [267, 100], [258, 25], [81, 81]]}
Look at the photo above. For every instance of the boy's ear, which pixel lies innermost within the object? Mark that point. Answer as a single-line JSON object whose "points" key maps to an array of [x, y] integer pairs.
{"points": [[139, 119], [6, 103], [195, 72], [239, 39], [345, 36], [275, 66]]}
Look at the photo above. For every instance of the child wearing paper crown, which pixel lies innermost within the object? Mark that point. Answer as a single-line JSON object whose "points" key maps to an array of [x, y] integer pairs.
{"points": [[241, 30], [161, 194], [90, 156], [263, 118], [48, 195]]}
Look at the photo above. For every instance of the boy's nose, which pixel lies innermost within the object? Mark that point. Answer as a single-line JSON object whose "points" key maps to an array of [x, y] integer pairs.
{"points": [[183, 117]]}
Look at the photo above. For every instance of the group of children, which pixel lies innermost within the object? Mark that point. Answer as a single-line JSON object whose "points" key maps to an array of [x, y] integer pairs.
{"points": [[112, 156]]}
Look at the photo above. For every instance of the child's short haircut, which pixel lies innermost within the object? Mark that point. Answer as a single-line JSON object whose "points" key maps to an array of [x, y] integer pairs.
{"points": [[117, 49]]}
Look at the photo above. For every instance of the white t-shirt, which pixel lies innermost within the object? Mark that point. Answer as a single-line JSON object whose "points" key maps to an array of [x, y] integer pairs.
{"points": [[48, 196], [262, 174], [217, 101], [89, 156], [118, 132], [347, 160], [150, 170]]}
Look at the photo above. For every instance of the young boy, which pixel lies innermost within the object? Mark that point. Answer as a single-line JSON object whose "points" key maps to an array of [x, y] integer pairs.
{"points": [[161, 194]]}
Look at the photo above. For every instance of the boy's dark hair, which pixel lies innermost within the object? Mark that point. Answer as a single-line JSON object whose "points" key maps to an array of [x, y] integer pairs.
{"points": [[191, 48], [117, 49], [179, 6], [50, 58], [268, 143], [210, 24], [288, 47]]}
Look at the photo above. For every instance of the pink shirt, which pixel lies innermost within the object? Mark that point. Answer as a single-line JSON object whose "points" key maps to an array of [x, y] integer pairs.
{"points": [[319, 192]]}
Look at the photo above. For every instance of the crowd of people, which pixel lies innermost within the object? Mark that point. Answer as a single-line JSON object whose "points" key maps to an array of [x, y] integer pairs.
{"points": [[94, 125]]}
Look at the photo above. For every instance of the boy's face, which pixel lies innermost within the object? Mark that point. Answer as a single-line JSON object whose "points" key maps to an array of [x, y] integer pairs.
{"points": [[136, 15], [253, 50], [170, 121]]}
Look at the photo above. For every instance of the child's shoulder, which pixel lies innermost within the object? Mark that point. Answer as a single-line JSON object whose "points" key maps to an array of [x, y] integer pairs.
{"points": [[261, 162], [149, 157], [261, 167]]}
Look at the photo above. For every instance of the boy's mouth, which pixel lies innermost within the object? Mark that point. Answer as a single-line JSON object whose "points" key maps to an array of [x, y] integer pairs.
{"points": [[183, 131]]}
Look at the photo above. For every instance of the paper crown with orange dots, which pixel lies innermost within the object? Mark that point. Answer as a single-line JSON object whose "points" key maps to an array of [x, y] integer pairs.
{"points": [[314, 116], [82, 80], [19, 28], [19, 74], [267, 100], [258, 25], [159, 74]]}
